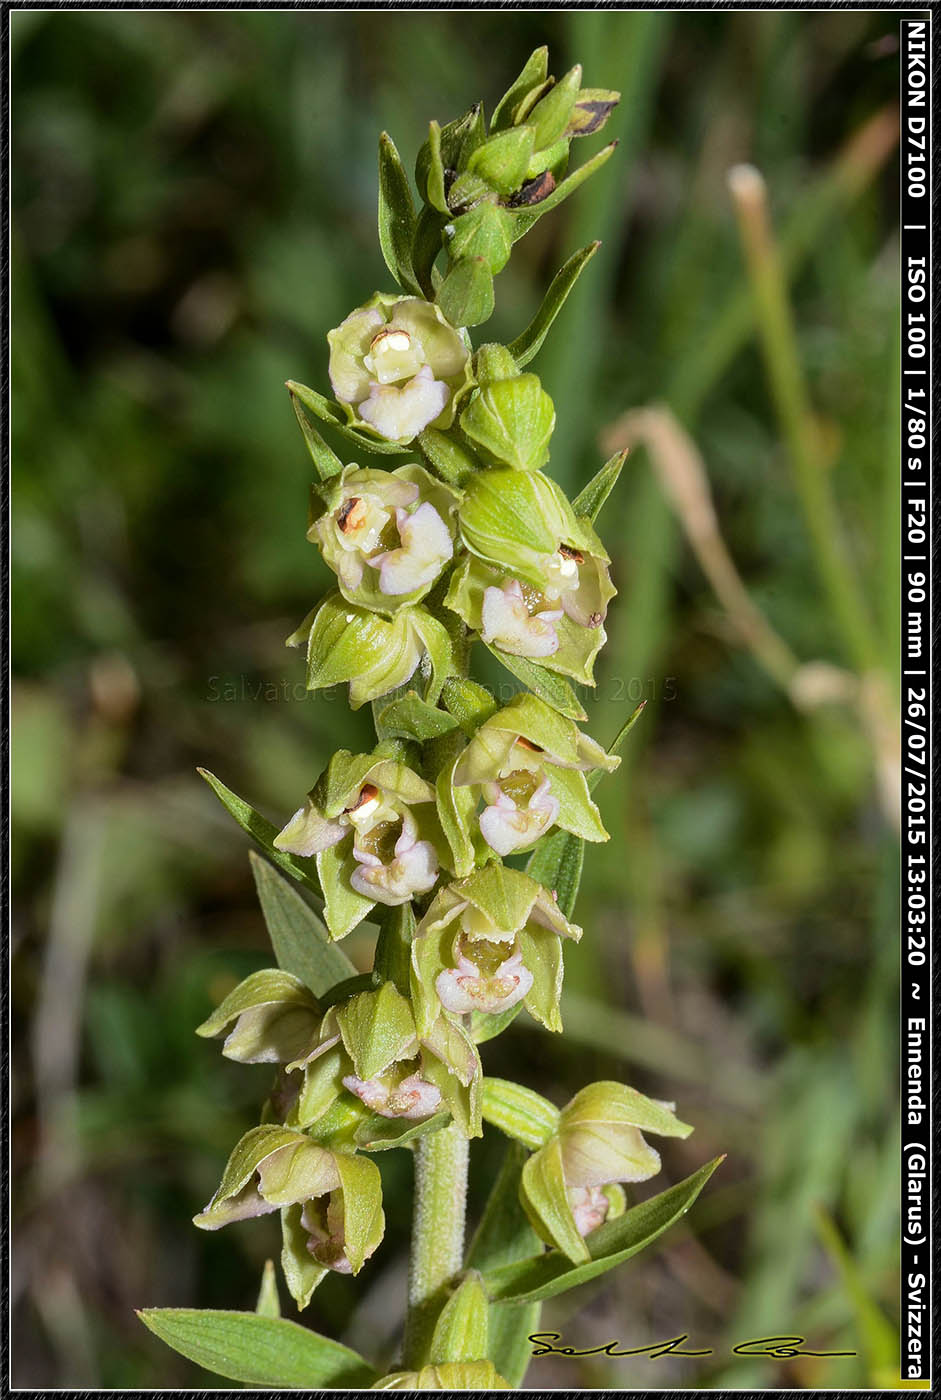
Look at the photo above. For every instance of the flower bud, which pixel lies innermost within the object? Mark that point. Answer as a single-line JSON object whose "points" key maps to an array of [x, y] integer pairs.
{"points": [[386, 535], [510, 422], [397, 366], [347, 643]]}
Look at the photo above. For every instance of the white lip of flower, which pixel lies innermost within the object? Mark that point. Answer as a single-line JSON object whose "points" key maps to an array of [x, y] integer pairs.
{"points": [[393, 355], [413, 1098], [507, 828], [505, 619], [426, 548], [398, 413], [413, 870], [590, 1207], [464, 988]]}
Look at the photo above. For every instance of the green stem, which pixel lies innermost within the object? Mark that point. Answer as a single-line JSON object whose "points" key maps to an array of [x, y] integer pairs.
{"points": [[437, 1234]]}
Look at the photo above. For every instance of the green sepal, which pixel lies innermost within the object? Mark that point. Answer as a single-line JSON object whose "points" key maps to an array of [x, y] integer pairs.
{"points": [[300, 940], [466, 293], [592, 497], [262, 1352], [456, 808], [449, 1042], [276, 1017], [511, 422], [452, 461], [550, 116], [614, 1242], [462, 1100], [377, 1028], [526, 716], [518, 1112], [301, 1271], [344, 907], [542, 954], [363, 1218], [611, 1104], [347, 773], [527, 345], [532, 77], [468, 702], [396, 216], [333, 414], [502, 159], [547, 684], [543, 1195], [325, 460], [299, 1170], [263, 832], [577, 813], [461, 1330]]}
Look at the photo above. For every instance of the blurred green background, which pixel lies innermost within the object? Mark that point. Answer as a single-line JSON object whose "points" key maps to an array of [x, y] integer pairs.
{"points": [[193, 207]]}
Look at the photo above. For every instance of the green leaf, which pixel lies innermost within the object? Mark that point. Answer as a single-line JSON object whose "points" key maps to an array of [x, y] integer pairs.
{"points": [[617, 743], [396, 216], [557, 864], [546, 1275], [549, 686], [410, 717], [519, 1112], [466, 294], [484, 1025], [300, 941], [533, 74], [376, 1133], [331, 413], [323, 457], [261, 829], [394, 946], [434, 176], [593, 496], [269, 1304], [503, 1237], [260, 1351], [525, 346], [426, 245]]}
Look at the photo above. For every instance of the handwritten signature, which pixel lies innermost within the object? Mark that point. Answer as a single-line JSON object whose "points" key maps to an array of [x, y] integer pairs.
{"points": [[777, 1348]]}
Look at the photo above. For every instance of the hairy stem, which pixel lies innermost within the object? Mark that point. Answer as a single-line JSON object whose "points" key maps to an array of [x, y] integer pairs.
{"points": [[437, 1234]]}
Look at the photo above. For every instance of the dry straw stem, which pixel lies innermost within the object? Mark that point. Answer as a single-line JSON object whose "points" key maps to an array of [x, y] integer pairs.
{"points": [[684, 479]]}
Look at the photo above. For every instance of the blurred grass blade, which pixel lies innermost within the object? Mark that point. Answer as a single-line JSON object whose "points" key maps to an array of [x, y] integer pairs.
{"points": [[396, 216], [505, 1236], [549, 686], [532, 1280], [879, 1337], [525, 346], [259, 1351], [300, 941], [269, 1304], [593, 496], [257, 826], [557, 864]]}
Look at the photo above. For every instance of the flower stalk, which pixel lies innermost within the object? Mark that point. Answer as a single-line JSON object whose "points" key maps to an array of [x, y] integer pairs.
{"points": [[465, 543]]}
